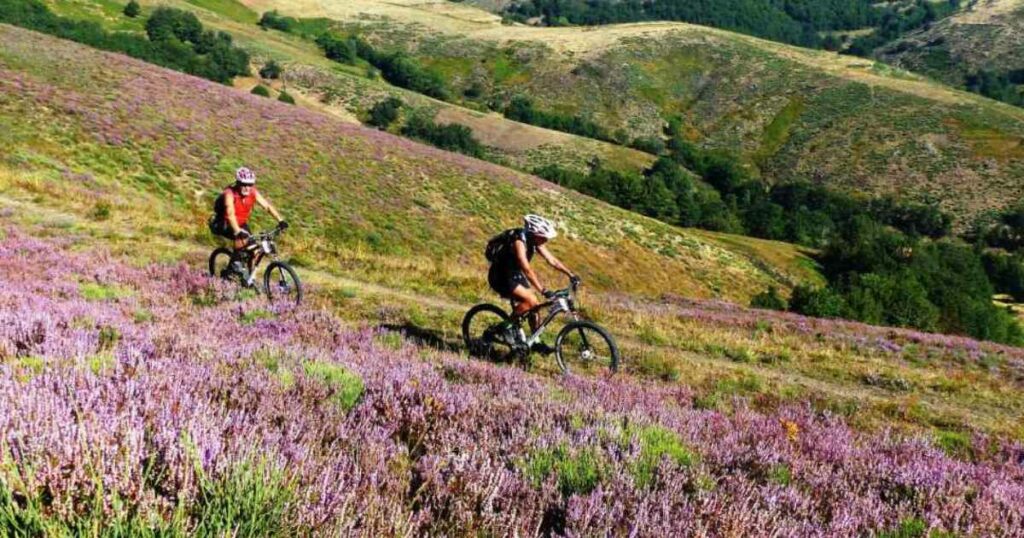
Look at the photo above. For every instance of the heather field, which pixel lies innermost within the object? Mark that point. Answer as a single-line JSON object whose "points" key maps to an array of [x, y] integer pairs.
{"points": [[140, 397], [157, 399]]}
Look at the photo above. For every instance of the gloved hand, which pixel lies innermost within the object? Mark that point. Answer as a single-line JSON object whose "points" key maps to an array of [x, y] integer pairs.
{"points": [[283, 225], [575, 281]]}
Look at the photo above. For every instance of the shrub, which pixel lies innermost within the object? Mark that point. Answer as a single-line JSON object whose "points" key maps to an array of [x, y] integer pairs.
{"points": [[101, 211], [649, 144], [817, 302], [338, 49], [273, 20], [769, 300], [385, 112], [132, 9], [270, 70], [286, 97], [260, 90], [452, 136]]}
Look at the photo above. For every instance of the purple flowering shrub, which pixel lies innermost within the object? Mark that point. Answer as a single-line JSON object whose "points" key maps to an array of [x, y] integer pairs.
{"points": [[141, 408]]}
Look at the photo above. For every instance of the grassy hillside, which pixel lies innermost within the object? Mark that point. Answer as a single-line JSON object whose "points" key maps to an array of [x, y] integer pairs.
{"points": [[792, 113], [130, 130], [989, 35], [127, 157], [348, 92]]}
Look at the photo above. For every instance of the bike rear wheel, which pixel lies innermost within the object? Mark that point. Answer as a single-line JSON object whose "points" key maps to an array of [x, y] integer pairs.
{"points": [[481, 332], [220, 264], [280, 282], [585, 347]]}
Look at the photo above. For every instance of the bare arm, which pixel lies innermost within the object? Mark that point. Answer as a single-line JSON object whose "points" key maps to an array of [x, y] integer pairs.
{"points": [[229, 211], [553, 261], [524, 265], [265, 204]]}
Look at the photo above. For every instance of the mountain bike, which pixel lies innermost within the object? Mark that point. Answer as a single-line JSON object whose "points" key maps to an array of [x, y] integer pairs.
{"points": [[279, 280], [490, 332]]}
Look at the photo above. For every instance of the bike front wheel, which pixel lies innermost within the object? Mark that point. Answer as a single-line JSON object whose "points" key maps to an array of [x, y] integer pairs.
{"points": [[482, 332], [585, 347], [281, 283]]}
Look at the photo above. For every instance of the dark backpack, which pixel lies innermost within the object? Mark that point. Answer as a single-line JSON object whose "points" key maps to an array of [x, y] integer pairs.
{"points": [[500, 245], [219, 206]]}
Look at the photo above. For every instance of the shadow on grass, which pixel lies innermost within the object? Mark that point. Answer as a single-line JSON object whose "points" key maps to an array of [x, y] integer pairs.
{"points": [[423, 337]]}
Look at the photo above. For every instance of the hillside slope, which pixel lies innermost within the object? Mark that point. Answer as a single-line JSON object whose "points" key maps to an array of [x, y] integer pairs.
{"points": [[988, 35], [349, 91], [83, 127], [125, 157], [792, 113]]}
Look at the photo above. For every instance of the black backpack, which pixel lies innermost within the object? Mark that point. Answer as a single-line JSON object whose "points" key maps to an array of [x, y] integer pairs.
{"points": [[219, 206], [501, 244]]}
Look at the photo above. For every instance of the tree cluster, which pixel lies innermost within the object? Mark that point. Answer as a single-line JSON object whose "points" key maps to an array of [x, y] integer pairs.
{"points": [[1007, 87], [522, 109], [451, 136], [175, 39], [800, 22]]}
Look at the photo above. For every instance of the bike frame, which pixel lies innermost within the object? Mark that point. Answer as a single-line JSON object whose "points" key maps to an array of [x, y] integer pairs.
{"points": [[561, 305], [261, 246]]}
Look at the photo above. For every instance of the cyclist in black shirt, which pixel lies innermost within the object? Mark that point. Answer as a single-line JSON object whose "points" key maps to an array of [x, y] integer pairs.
{"points": [[511, 274]]}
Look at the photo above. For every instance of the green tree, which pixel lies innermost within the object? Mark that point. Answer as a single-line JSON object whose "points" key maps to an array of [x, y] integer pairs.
{"points": [[132, 9], [270, 70], [385, 112]]}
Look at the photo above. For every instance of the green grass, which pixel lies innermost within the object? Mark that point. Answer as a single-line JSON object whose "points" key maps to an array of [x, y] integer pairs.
{"points": [[346, 387], [578, 471], [232, 9], [94, 291], [658, 444]]}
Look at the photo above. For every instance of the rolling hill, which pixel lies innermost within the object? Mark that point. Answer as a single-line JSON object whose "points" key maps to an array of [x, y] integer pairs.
{"points": [[348, 92], [988, 35], [791, 113], [137, 131]]}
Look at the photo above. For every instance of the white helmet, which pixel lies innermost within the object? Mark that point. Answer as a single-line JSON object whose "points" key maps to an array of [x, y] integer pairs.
{"points": [[244, 176], [541, 226]]}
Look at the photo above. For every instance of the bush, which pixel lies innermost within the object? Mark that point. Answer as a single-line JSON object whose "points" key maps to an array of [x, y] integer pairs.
{"points": [[271, 70], [385, 112], [132, 9], [817, 302], [338, 49], [649, 144], [273, 20], [286, 97], [453, 137], [769, 300], [260, 90], [522, 109]]}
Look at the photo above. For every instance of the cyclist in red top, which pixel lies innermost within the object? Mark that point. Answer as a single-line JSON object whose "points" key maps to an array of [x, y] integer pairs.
{"points": [[235, 204]]}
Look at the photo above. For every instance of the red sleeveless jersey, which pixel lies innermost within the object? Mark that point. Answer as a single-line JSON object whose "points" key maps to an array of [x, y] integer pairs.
{"points": [[243, 204]]}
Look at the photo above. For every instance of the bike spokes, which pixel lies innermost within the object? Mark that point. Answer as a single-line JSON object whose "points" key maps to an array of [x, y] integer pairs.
{"points": [[585, 349], [486, 336]]}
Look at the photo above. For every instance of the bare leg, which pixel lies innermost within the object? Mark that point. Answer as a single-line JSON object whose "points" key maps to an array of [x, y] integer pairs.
{"points": [[525, 300]]}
